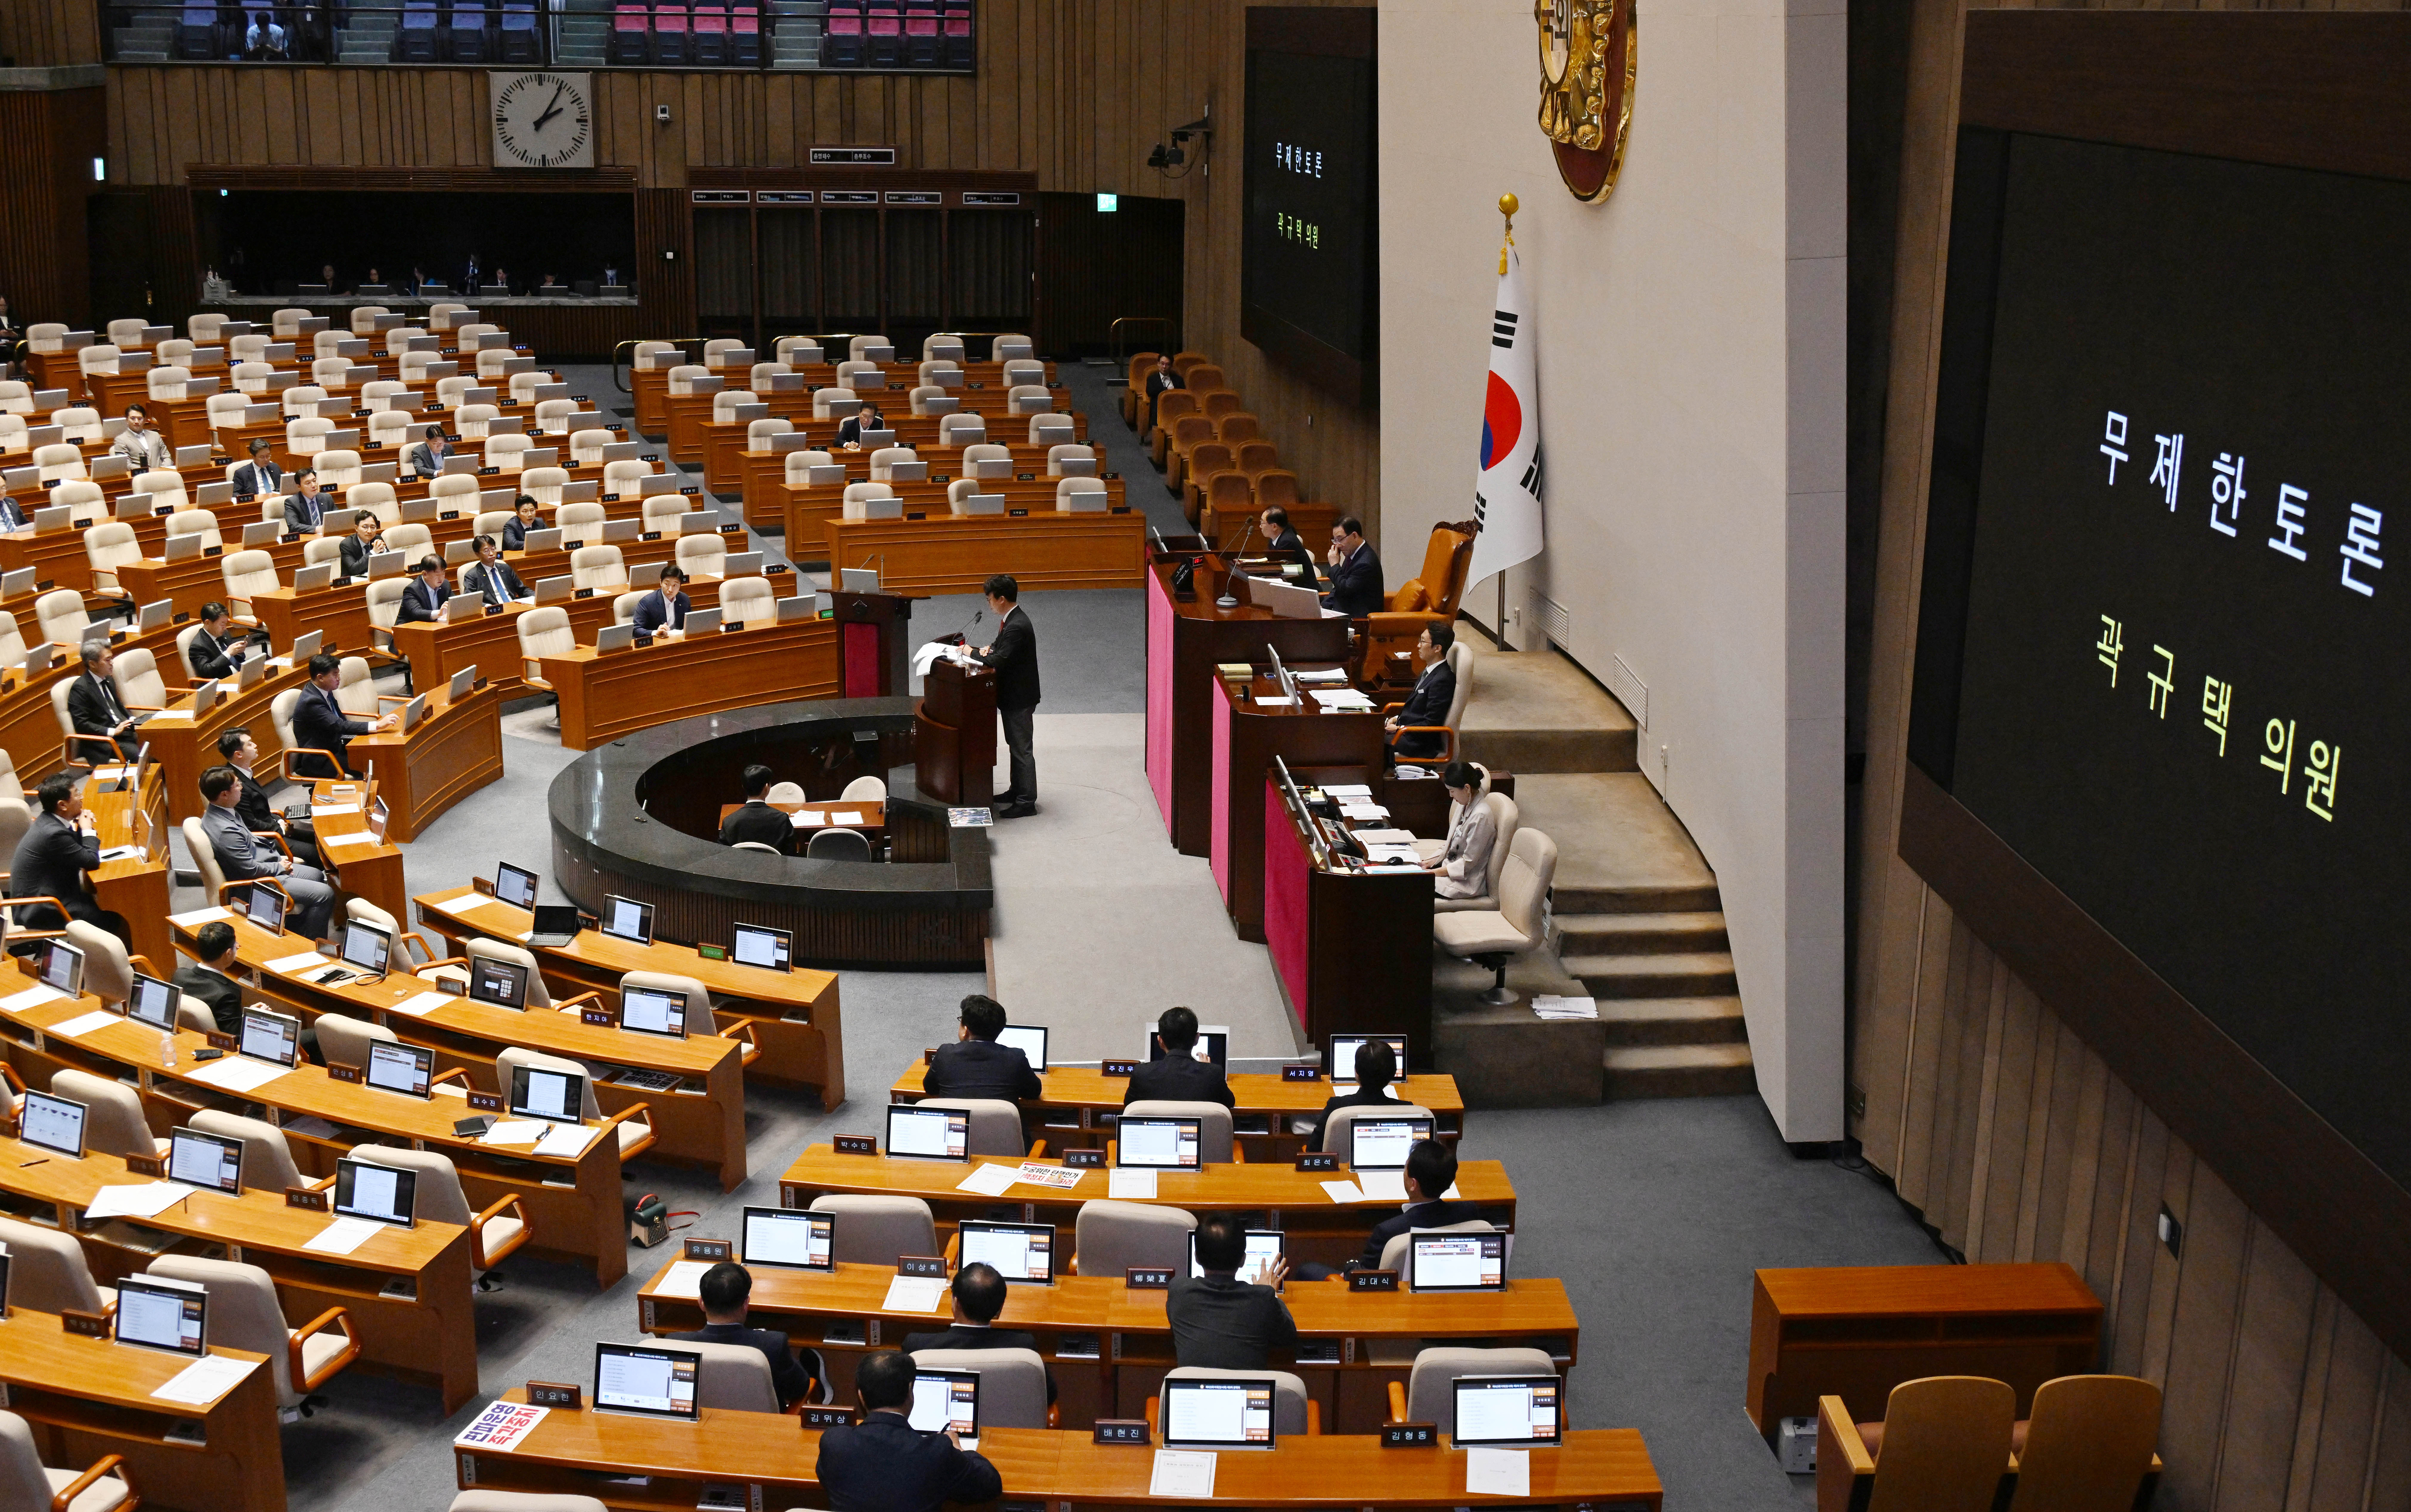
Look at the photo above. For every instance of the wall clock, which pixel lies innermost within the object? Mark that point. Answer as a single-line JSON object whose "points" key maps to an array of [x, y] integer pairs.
{"points": [[542, 119], [1588, 49]]}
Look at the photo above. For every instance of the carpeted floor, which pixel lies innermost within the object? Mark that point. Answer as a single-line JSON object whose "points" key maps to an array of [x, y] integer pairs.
{"points": [[1654, 1212]]}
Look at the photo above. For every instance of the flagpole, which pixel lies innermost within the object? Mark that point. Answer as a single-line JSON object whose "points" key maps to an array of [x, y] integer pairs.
{"points": [[1507, 207]]}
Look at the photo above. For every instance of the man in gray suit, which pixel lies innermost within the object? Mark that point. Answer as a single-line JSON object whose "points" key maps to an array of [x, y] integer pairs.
{"points": [[427, 457], [242, 855]]}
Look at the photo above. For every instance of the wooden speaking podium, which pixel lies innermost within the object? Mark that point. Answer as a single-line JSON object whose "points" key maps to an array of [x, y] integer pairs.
{"points": [[873, 658], [953, 728]]}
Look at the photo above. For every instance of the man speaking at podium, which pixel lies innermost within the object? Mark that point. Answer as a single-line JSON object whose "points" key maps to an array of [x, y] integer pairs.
{"points": [[1014, 655]]}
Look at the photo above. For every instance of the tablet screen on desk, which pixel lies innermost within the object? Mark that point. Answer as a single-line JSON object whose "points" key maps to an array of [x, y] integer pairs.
{"points": [[409, 1070], [501, 983], [63, 966], [769, 949], [785, 1236], [556, 1096], [515, 885], [653, 1010], [1023, 1252], [208, 1161], [1158, 1143], [385, 1193], [647, 1380], [1383, 1143], [627, 918], [153, 1002], [1264, 1248], [946, 1399], [161, 1315], [365, 946], [1457, 1262], [1517, 1412], [1213, 1044], [1219, 1414], [931, 1133], [1031, 1039], [1342, 1064], [266, 907], [52, 1122], [271, 1037]]}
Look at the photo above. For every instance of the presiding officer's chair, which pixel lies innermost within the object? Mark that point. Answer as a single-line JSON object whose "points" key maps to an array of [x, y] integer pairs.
{"points": [[1429, 597]]}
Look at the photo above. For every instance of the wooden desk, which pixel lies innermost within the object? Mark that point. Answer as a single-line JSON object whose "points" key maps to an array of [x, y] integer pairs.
{"points": [[955, 553], [369, 868], [872, 815], [1291, 1199], [135, 888], [88, 1398], [699, 1120], [437, 650], [1857, 1332], [185, 746], [1351, 950], [29, 727], [1376, 1333], [792, 1015], [1071, 1106], [604, 695], [451, 753], [429, 1336], [1186, 639], [341, 615], [580, 1219], [1249, 733], [775, 1462]]}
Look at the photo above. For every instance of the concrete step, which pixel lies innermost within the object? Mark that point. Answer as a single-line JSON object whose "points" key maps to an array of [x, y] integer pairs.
{"points": [[1678, 1071], [1620, 849], [1674, 1021], [1683, 974], [1633, 934]]}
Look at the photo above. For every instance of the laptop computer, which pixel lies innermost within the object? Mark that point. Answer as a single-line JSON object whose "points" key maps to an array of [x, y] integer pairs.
{"points": [[646, 1380], [1158, 1143], [556, 925], [211, 1162], [159, 1314], [759, 945], [1456, 1262], [53, 1122], [929, 1133]]}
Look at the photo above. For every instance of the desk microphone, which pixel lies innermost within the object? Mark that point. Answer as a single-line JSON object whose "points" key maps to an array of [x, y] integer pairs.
{"points": [[957, 637], [1229, 600]]}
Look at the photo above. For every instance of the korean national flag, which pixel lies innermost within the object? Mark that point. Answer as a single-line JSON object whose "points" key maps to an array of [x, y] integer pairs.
{"points": [[1506, 496]]}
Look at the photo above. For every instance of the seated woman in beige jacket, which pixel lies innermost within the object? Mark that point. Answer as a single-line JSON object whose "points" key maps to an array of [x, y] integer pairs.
{"points": [[1464, 868]]}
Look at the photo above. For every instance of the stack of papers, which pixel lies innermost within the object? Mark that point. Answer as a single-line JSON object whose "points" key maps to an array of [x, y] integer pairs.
{"points": [[83, 1024], [913, 1294], [1387, 851], [33, 997], [302, 961], [989, 1181], [514, 1131], [1564, 1008], [1130, 1186], [1382, 1186], [330, 810], [1343, 1191], [1340, 698], [1349, 789], [1385, 836], [464, 903], [204, 1381], [343, 1236], [198, 918], [1329, 674], [1498, 1472], [232, 1075], [354, 837], [1359, 808], [810, 817], [845, 817], [684, 1278], [567, 1141], [1182, 1473]]}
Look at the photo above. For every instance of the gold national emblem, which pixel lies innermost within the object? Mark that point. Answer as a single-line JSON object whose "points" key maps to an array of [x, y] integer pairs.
{"points": [[1587, 52]]}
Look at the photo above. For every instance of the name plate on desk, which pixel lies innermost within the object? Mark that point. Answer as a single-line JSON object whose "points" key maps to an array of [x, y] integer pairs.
{"points": [[1318, 1160], [825, 1417], [146, 1165], [90, 1325], [221, 1042], [1120, 1430], [853, 1143], [1084, 1159], [1302, 1073], [485, 1102], [304, 1199], [1118, 1068], [921, 1265], [1149, 1277], [1372, 1281], [600, 1017], [1410, 1436], [929, 1055], [563, 1394], [338, 1072], [711, 1249]]}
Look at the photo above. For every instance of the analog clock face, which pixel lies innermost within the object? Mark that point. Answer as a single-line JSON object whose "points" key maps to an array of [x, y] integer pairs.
{"points": [[543, 120]]}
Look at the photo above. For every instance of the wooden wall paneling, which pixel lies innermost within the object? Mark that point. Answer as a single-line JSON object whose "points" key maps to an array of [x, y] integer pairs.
{"points": [[48, 139], [2269, 1398]]}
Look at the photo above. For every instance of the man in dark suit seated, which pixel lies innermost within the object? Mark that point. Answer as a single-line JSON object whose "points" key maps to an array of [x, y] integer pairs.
{"points": [[261, 477], [320, 724], [1281, 544], [1219, 1321], [363, 542], [425, 598], [723, 1291], [58, 848], [93, 705], [1355, 572], [427, 458], [1179, 1076], [305, 507], [13, 514], [526, 515], [979, 1296], [1160, 382], [1376, 1067], [1434, 691], [850, 429], [886, 1464], [218, 650], [211, 979], [665, 607], [975, 1066], [489, 576], [1431, 1172], [239, 750], [755, 820]]}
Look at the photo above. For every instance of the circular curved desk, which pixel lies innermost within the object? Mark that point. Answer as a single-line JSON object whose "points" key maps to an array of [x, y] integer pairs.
{"points": [[640, 817]]}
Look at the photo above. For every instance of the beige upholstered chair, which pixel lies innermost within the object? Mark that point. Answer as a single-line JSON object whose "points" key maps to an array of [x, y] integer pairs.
{"points": [[798, 351], [47, 1270], [873, 1231], [1068, 451], [724, 403], [884, 460], [995, 1125], [524, 1502], [544, 632], [683, 377], [586, 446], [244, 1314], [1495, 937], [1110, 1237], [597, 567], [112, 1122], [748, 600], [1393, 1250], [961, 430], [632, 1127], [799, 463], [201, 522], [1214, 1144], [268, 1164], [701, 558], [494, 1234], [1295, 1412], [109, 546], [625, 477], [108, 1483], [580, 525], [61, 614], [1505, 820], [1429, 1391], [1077, 496], [733, 1377], [858, 497], [1011, 1383]]}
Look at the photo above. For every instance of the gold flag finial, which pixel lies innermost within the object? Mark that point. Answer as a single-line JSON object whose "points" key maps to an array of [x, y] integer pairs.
{"points": [[1508, 205]]}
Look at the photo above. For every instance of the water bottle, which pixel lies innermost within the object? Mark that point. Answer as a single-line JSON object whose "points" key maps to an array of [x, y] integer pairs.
{"points": [[168, 1049]]}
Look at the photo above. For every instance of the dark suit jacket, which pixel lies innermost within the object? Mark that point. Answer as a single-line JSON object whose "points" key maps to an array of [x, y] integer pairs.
{"points": [[1358, 1099], [1286, 547], [514, 534], [883, 1464], [1013, 654], [416, 605], [979, 1068], [1223, 1323], [319, 724], [355, 556], [297, 511], [210, 656], [788, 1378], [1178, 1079], [759, 821], [506, 581], [260, 817], [1357, 585], [224, 997], [50, 862], [1420, 1216], [654, 611], [257, 481], [11, 516], [849, 431], [1428, 705], [973, 1336], [90, 709]]}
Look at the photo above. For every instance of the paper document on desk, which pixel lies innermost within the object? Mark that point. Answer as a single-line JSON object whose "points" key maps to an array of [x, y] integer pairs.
{"points": [[33, 997], [1340, 698], [330, 810], [1498, 1472], [1181, 1473], [464, 904], [1332, 674], [419, 1005], [1382, 1186], [1386, 852], [232, 1075], [1349, 789], [514, 1131], [343, 1236], [354, 837], [204, 1381], [1363, 810], [913, 1294], [147, 1201], [197, 917], [989, 1181], [1130, 1186], [930, 652], [1058, 1177], [809, 818], [302, 961], [83, 1024], [501, 1427], [1343, 1191], [122, 853], [1389, 837], [1549, 1006], [684, 1278], [846, 816], [567, 1141], [170, 717]]}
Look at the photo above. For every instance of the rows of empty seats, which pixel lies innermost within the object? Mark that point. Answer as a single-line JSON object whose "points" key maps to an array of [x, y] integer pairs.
{"points": [[1212, 449], [459, 31], [707, 34]]}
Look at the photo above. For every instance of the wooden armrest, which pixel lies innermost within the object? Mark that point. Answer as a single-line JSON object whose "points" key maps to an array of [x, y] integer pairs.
{"points": [[1388, 709], [341, 1317], [111, 745], [1448, 744], [1239, 1152], [393, 698], [1398, 1402], [953, 1251], [107, 1462], [633, 1110], [1845, 1470], [9, 1079], [1054, 1415], [478, 1228], [225, 888], [275, 839], [145, 709], [569, 1005], [745, 1032], [321, 1185], [457, 1074], [410, 936], [1037, 1150], [1313, 1416], [461, 961], [142, 964]]}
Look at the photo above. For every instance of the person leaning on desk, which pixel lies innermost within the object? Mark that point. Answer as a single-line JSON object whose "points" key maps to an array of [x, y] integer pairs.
{"points": [[427, 457], [1219, 1321], [886, 1464], [975, 1066], [319, 722], [427, 594], [979, 1296], [850, 429], [754, 820], [723, 1291], [1179, 1076]]}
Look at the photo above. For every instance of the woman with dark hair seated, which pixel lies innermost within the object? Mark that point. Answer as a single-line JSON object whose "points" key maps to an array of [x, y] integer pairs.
{"points": [[1464, 868]]}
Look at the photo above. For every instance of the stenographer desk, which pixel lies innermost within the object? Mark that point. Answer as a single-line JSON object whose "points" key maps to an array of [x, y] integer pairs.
{"points": [[450, 755], [605, 694], [572, 1205], [1351, 946], [791, 1016], [1186, 638], [691, 1090], [1290, 1199], [774, 1463], [424, 1332], [1109, 1343], [1251, 728], [86, 1398]]}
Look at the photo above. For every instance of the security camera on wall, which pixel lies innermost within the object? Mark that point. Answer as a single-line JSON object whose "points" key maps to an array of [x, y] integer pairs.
{"points": [[662, 114]]}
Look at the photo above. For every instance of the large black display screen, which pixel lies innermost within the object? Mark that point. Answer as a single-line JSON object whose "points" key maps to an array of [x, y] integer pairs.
{"points": [[1307, 280], [2161, 654]]}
